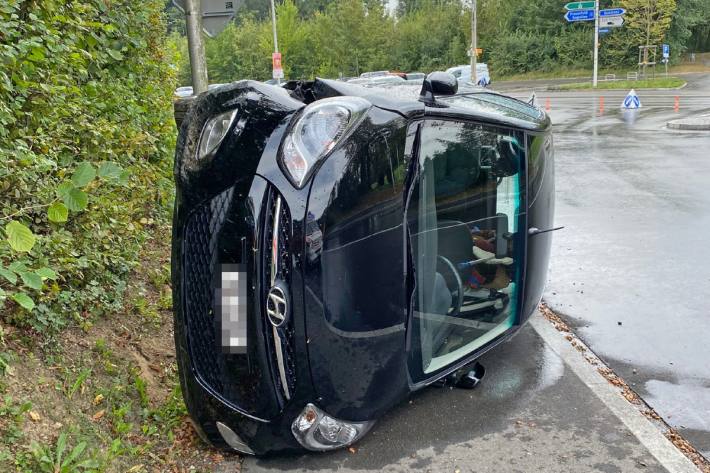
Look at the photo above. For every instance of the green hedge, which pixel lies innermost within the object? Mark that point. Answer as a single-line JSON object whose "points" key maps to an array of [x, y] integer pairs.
{"points": [[86, 137]]}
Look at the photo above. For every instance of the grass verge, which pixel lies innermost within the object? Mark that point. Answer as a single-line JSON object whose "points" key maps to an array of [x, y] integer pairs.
{"points": [[658, 83], [102, 397]]}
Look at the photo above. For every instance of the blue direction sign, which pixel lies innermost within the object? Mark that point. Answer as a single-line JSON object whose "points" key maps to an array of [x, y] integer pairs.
{"points": [[579, 15], [612, 12], [666, 51]]}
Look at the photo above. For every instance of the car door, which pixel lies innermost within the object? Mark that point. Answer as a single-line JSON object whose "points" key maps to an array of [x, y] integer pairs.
{"points": [[466, 218]]}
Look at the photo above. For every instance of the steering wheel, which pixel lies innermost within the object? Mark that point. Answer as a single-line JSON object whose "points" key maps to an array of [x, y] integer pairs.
{"points": [[459, 292]]}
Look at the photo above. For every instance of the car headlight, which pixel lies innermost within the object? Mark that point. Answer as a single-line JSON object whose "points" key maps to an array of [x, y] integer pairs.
{"points": [[214, 132], [316, 430], [317, 131]]}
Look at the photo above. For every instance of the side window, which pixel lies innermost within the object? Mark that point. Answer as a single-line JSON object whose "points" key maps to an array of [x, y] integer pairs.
{"points": [[465, 220]]}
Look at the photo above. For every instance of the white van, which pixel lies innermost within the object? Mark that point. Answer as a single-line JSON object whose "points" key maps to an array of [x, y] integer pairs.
{"points": [[463, 73]]}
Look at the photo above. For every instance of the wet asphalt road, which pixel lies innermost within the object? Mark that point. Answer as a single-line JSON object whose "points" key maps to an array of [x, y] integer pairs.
{"points": [[631, 270], [531, 413]]}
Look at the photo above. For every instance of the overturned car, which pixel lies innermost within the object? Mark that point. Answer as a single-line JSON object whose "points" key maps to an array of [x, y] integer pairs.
{"points": [[337, 247]]}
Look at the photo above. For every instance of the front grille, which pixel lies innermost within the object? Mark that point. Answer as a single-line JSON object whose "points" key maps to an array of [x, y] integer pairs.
{"points": [[199, 261], [240, 379], [278, 246]]}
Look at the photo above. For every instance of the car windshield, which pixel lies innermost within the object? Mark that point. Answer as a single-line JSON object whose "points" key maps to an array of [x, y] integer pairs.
{"points": [[464, 220]]}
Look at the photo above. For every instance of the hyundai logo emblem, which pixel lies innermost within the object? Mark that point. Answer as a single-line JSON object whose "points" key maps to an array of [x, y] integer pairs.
{"points": [[277, 305]]}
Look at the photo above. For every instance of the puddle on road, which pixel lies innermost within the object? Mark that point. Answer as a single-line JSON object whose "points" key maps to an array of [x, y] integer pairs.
{"points": [[683, 405], [551, 370]]}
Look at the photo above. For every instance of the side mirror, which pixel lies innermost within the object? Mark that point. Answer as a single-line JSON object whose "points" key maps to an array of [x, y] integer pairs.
{"points": [[438, 83]]}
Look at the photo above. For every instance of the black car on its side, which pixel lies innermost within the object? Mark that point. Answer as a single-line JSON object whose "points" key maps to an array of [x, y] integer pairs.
{"points": [[337, 247]]}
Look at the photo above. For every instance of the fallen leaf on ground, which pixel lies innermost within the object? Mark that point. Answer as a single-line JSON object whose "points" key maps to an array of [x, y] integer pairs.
{"points": [[98, 415], [34, 416], [98, 399]]}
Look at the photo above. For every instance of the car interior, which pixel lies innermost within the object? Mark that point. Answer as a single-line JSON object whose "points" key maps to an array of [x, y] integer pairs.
{"points": [[466, 260]]}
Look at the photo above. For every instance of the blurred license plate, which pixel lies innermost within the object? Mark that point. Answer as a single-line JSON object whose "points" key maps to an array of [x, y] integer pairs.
{"points": [[232, 308]]}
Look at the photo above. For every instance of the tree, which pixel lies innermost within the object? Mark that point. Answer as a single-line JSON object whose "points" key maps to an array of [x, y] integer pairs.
{"points": [[308, 8], [690, 27], [648, 21], [353, 37]]}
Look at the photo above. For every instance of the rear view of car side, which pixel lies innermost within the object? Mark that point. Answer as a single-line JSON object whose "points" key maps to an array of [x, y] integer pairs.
{"points": [[337, 247]]}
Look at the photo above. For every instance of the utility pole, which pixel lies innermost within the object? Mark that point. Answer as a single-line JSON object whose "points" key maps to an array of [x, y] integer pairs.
{"points": [[596, 44], [196, 48], [474, 40], [273, 27]]}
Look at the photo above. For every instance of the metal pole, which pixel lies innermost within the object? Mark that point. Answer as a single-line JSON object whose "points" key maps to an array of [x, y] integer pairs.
{"points": [[195, 46], [474, 42], [596, 44], [276, 39]]}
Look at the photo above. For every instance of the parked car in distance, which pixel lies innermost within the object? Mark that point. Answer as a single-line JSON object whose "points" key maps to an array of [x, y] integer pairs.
{"points": [[337, 247], [463, 73], [414, 76], [386, 79], [367, 75], [186, 91]]}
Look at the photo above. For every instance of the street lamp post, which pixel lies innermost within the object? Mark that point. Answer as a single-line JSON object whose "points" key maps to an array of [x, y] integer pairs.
{"points": [[474, 40], [595, 74], [198, 64], [273, 27]]}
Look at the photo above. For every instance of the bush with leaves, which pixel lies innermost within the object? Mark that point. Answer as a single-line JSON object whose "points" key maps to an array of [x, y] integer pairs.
{"points": [[85, 152]]}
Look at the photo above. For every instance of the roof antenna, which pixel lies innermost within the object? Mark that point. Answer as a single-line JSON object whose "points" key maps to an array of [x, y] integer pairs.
{"points": [[532, 100]]}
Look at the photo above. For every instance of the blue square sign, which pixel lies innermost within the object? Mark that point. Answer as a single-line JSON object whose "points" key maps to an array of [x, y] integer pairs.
{"points": [[666, 51]]}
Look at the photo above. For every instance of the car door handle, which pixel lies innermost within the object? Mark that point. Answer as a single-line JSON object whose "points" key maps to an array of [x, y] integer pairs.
{"points": [[536, 231]]}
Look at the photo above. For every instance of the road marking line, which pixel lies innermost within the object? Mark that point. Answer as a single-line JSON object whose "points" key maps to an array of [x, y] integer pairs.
{"points": [[649, 435]]}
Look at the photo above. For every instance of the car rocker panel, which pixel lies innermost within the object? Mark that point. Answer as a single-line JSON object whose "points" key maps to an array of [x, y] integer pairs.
{"points": [[338, 247]]}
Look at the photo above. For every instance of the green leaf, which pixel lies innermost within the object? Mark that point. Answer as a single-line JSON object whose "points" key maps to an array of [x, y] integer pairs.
{"points": [[64, 189], [9, 275], [76, 199], [19, 236], [61, 446], [57, 213], [75, 453], [46, 273], [31, 280], [109, 170], [115, 54], [17, 266], [24, 300], [83, 174]]}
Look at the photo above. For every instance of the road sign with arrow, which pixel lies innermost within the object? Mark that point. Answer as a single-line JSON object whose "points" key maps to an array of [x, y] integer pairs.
{"points": [[611, 22], [611, 12], [603, 21], [579, 15], [579, 5]]}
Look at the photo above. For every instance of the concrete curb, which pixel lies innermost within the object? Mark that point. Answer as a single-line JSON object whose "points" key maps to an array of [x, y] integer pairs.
{"points": [[690, 124], [650, 437]]}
